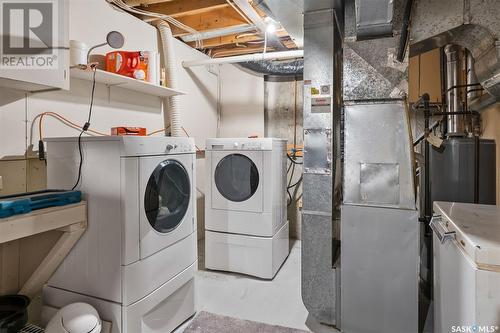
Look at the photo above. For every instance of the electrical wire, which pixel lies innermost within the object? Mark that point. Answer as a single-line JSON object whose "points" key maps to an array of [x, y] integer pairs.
{"points": [[187, 134], [63, 120], [296, 183], [292, 159], [290, 186], [158, 131], [84, 129], [265, 44], [289, 167]]}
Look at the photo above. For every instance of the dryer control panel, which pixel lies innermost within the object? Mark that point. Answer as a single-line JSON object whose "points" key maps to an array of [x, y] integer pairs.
{"points": [[237, 146], [243, 143]]}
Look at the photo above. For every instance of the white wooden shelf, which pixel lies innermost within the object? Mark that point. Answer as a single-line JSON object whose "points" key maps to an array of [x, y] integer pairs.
{"points": [[23, 86], [112, 79], [70, 219]]}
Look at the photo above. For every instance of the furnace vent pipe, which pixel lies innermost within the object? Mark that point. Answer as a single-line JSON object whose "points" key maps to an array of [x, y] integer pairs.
{"points": [[454, 122], [473, 90], [171, 105]]}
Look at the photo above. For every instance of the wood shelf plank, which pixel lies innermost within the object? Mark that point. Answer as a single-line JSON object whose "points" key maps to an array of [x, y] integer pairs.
{"points": [[41, 220], [112, 79]]}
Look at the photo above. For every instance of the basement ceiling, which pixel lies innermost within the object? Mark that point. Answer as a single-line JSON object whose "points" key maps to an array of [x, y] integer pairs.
{"points": [[225, 27]]}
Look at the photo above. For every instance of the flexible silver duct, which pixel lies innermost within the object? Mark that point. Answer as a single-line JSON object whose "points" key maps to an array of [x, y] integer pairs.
{"points": [[472, 24], [171, 105], [275, 67]]}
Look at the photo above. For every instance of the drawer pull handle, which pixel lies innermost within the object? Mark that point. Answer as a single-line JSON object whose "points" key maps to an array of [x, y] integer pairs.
{"points": [[440, 231]]}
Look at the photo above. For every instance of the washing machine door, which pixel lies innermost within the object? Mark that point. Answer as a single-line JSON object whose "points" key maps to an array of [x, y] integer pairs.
{"points": [[166, 208], [237, 180]]}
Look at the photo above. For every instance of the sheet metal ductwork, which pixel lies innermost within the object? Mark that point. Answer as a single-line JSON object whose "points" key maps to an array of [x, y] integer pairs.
{"points": [[378, 205], [472, 24], [371, 68], [322, 171], [261, 4], [373, 18], [275, 67]]}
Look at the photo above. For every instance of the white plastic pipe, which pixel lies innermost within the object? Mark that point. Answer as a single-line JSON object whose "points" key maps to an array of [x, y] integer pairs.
{"points": [[171, 105], [244, 58]]}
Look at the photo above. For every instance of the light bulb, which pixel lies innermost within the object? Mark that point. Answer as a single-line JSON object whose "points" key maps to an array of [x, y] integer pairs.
{"points": [[271, 28]]}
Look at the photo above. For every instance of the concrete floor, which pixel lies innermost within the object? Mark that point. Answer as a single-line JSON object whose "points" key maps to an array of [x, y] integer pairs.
{"points": [[276, 302]]}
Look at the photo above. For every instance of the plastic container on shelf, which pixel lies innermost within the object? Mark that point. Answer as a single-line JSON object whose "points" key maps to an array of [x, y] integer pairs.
{"points": [[133, 64], [78, 52]]}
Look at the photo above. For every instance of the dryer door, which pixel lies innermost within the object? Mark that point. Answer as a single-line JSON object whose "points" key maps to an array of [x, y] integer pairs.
{"points": [[237, 180], [167, 201]]}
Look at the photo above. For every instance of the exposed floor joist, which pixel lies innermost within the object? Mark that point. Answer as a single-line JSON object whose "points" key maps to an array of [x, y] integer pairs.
{"points": [[213, 19], [256, 19], [239, 38], [186, 7], [216, 33], [225, 26]]}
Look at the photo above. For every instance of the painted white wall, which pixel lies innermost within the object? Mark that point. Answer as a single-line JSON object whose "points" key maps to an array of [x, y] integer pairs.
{"points": [[242, 103], [90, 21], [241, 100], [242, 94], [12, 123]]}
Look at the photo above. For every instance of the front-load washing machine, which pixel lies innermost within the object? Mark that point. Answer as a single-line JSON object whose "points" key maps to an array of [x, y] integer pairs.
{"points": [[136, 262], [246, 227]]}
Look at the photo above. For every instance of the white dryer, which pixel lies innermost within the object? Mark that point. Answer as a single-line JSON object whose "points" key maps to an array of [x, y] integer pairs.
{"points": [[136, 262], [246, 227]]}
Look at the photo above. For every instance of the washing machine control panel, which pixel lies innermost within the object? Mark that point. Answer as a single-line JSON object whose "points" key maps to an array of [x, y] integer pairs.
{"points": [[178, 148], [245, 146]]}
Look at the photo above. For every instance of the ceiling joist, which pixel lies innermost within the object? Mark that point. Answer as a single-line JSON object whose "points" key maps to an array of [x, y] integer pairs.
{"points": [[238, 38], [214, 19], [177, 8], [226, 27]]}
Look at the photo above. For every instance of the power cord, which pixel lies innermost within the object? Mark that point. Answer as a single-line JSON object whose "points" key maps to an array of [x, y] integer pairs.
{"points": [[85, 127]]}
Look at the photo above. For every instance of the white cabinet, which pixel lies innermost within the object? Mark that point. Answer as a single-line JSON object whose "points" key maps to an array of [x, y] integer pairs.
{"points": [[32, 26], [466, 267]]}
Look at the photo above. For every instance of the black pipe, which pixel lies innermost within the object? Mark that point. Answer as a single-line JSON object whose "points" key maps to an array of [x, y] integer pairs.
{"points": [[427, 183], [427, 196], [463, 86], [442, 69], [470, 113], [476, 169], [473, 90], [403, 40]]}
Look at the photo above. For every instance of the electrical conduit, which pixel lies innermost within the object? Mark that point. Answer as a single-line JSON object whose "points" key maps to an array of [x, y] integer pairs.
{"points": [[171, 105]]}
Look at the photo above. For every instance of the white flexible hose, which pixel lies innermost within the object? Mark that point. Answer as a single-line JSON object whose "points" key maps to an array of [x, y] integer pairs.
{"points": [[171, 106]]}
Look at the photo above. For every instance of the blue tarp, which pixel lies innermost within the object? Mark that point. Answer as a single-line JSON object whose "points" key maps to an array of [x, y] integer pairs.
{"points": [[25, 204]]}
